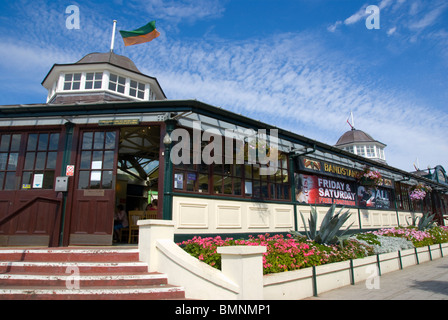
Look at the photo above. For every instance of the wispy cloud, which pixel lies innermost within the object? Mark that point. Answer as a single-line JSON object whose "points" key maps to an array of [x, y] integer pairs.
{"points": [[289, 80], [413, 15], [297, 84], [428, 18], [182, 10]]}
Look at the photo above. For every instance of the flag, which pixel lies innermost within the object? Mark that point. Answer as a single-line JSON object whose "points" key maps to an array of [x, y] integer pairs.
{"points": [[141, 35], [352, 124], [416, 165], [349, 123]]}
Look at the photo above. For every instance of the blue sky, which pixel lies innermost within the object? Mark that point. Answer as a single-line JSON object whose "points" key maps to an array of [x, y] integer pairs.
{"points": [[301, 65]]}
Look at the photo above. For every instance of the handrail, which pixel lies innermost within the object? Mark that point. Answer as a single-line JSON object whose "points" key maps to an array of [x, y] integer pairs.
{"points": [[55, 232]]}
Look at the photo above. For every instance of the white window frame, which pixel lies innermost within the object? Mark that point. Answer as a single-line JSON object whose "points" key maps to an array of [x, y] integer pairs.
{"points": [[72, 81], [361, 151], [95, 80], [370, 151], [139, 91], [117, 83]]}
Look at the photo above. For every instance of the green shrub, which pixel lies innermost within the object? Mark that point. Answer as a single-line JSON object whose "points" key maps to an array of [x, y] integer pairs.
{"points": [[369, 238], [329, 228]]}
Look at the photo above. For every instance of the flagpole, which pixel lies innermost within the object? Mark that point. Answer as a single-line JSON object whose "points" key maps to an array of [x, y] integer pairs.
{"points": [[112, 42]]}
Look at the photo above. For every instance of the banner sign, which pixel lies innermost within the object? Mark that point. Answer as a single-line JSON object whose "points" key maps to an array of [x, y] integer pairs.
{"points": [[370, 197], [324, 167], [119, 122], [334, 170], [314, 189]]}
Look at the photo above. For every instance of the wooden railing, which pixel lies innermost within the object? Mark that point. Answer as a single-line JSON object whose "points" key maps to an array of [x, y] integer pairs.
{"points": [[54, 229]]}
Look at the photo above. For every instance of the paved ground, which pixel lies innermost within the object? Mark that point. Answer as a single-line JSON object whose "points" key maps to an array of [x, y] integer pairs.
{"points": [[427, 281]]}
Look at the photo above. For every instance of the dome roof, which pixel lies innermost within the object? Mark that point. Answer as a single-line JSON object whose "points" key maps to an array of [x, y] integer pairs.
{"points": [[109, 57], [355, 136]]}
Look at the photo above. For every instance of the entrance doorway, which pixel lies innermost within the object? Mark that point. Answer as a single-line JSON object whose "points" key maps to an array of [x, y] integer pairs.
{"points": [[137, 183]]}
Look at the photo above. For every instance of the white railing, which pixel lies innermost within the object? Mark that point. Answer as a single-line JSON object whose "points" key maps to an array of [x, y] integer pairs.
{"points": [[241, 277]]}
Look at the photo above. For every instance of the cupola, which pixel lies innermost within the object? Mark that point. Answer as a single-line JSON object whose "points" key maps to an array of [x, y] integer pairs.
{"points": [[100, 77], [362, 144]]}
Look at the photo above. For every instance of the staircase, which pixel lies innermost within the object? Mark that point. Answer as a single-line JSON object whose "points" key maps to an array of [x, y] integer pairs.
{"points": [[80, 274]]}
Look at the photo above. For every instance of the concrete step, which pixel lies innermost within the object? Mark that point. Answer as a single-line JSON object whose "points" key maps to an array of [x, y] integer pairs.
{"points": [[80, 274], [82, 280], [70, 254], [101, 293], [68, 267]]}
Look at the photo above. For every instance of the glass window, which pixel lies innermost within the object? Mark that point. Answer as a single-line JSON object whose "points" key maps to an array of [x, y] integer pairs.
{"points": [[232, 179], [40, 161], [360, 151], [72, 81], [381, 153], [10, 181], [117, 83], [370, 151], [94, 80], [15, 142], [203, 183], [4, 145], [9, 160], [137, 89], [152, 95], [97, 160]]}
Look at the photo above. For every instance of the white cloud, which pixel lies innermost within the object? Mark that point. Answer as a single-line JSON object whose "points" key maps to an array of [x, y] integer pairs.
{"points": [[291, 81], [428, 19], [414, 15], [295, 84], [391, 31], [183, 10], [361, 13], [334, 26]]}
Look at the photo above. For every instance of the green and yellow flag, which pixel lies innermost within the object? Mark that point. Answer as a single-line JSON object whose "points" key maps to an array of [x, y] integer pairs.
{"points": [[141, 35]]}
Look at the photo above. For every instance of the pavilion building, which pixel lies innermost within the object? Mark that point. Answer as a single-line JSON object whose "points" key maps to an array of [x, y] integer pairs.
{"points": [[105, 137]]}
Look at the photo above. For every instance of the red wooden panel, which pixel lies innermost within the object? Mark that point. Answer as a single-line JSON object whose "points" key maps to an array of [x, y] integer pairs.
{"points": [[4, 210]]}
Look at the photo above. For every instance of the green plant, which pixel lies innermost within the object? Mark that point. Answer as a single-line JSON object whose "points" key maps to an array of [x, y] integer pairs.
{"points": [[439, 233], [426, 222], [422, 223], [369, 238], [329, 228]]}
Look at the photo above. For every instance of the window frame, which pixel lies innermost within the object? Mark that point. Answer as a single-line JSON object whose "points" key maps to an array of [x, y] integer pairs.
{"points": [[98, 154], [137, 89], [117, 84], [229, 173], [71, 82], [17, 174], [94, 81]]}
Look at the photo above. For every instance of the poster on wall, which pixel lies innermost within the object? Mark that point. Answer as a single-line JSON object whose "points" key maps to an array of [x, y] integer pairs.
{"points": [[314, 189], [178, 181], [370, 197]]}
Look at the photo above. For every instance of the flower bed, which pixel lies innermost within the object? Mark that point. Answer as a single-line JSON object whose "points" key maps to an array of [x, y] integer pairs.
{"points": [[289, 253], [417, 237], [283, 253]]}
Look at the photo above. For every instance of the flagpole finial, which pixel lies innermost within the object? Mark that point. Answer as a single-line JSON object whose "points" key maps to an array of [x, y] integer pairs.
{"points": [[112, 42]]}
